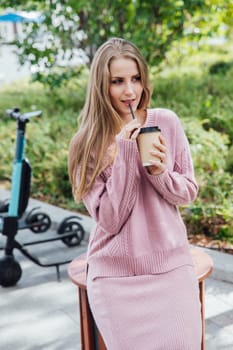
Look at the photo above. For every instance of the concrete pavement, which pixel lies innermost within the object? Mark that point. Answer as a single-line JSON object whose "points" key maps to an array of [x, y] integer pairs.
{"points": [[40, 313]]}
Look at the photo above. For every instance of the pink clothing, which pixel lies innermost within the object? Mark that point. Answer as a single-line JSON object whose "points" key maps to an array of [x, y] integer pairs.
{"points": [[141, 283], [139, 229], [151, 312]]}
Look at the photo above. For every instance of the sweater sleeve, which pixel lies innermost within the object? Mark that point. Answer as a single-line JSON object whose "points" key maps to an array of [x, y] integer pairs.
{"points": [[110, 201], [177, 185]]}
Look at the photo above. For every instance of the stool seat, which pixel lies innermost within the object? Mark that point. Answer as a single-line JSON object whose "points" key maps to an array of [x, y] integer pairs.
{"points": [[91, 338]]}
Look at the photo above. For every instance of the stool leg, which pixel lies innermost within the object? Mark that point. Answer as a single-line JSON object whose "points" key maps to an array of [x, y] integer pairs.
{"points": [[202, 300], [91, 338], [86, 322], [101, 342], [81, 318]]}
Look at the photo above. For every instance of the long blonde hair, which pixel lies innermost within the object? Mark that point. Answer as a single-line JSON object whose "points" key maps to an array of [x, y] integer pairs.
{"points": [[99, 120]]}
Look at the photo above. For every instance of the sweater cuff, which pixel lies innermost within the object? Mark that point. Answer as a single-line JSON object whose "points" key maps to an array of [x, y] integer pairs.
{"points": [[159, 180]]}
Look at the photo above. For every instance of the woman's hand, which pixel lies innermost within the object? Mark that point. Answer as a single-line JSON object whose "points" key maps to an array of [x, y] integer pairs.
{"points": [[131, 130], [159, 152]]}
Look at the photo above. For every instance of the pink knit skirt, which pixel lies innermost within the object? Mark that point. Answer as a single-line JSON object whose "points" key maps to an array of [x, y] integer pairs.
{"points": [[148, 312]]}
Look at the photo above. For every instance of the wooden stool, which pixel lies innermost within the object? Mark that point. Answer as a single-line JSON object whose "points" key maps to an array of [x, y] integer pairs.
{"points": [[91, 338]]}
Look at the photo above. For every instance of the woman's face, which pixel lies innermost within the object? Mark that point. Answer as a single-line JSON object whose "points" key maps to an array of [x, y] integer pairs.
{"points": [[125, 86]]}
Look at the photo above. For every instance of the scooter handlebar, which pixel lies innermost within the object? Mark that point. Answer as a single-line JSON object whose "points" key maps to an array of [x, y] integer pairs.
{"points": [[15, 114]]}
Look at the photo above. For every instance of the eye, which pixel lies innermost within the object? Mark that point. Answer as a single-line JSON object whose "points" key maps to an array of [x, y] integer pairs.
{"points": [[136, 78], [116, 81]]}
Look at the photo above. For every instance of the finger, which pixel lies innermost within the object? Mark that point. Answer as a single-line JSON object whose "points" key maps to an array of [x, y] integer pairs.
{"points": [[132, 126], [159, 147], [135, 133], [130, 129], [162, 140], [158, 154], [160, 143], [156, 167]]}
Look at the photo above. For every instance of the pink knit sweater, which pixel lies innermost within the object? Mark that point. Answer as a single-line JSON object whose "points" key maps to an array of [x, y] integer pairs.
{"points": [[139, 229]]}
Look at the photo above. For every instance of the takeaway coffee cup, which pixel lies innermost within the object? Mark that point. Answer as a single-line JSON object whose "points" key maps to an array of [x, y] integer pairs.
{"points": [[145, 139]]}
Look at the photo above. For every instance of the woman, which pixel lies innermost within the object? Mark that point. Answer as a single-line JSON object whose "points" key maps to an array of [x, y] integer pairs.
{"points": [[141, 283]]}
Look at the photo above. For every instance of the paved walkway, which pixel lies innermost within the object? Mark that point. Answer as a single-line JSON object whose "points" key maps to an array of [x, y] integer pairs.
{"points": [[40, 313]]}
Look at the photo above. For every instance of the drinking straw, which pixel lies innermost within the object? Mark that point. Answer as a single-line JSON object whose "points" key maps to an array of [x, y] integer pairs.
{"points": [[131, 110]]}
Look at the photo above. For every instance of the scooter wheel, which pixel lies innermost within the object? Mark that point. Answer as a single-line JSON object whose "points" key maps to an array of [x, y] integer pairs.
{"points": [[39, 222], [75, 229], [10, 271]]}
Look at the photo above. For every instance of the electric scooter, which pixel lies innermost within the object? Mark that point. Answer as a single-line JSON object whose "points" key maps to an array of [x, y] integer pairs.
{"points": [[13, 215]]}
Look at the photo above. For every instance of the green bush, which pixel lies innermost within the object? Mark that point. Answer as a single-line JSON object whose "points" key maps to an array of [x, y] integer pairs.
{"points": [[47, 137], [212, 212], [194, 96], [229, 160], [220, 67]]}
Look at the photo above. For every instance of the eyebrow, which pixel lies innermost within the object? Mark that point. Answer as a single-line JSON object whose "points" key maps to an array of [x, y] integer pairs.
{"points": [[119, 77]]}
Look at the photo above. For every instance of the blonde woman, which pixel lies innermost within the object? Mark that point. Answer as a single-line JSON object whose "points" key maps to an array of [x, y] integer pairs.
{"points": [[141, 283]]}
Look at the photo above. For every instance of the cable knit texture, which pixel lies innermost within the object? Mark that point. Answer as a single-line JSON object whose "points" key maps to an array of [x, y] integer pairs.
{"points": [[139, 229]]}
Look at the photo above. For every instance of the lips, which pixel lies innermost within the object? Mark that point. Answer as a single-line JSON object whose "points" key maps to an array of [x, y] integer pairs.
{"points": [[128, 102]]}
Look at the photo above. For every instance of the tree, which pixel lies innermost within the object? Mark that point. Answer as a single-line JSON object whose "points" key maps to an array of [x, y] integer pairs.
{"points": [[72, 30]]}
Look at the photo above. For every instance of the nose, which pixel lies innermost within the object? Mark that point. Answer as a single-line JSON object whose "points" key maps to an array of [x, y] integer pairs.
{"points": [[128, 88]]}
